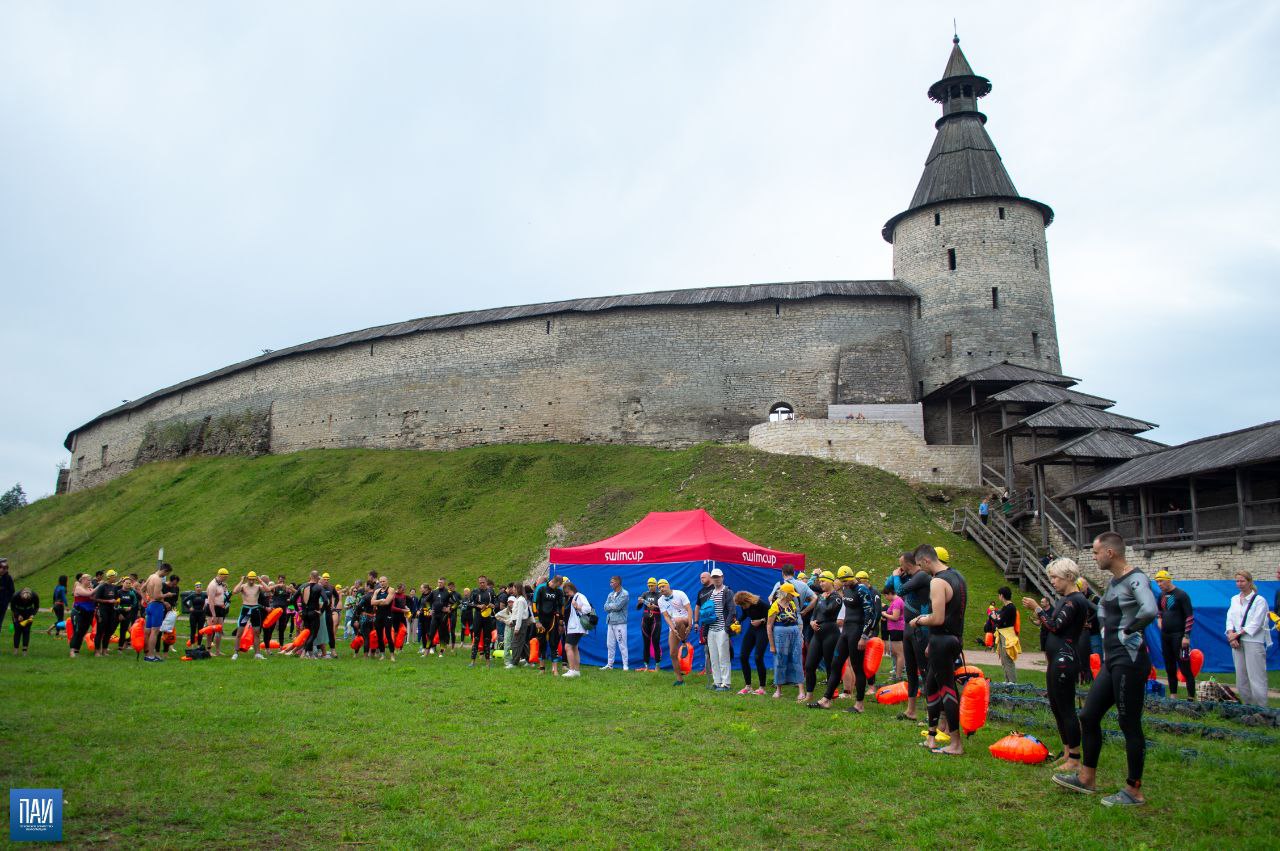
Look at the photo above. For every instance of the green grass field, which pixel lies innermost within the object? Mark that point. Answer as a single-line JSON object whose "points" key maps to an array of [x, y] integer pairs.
{"points": [[428, 753]]}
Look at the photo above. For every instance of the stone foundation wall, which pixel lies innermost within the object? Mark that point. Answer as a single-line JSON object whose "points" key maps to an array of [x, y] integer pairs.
{"points": [[887, 445]]}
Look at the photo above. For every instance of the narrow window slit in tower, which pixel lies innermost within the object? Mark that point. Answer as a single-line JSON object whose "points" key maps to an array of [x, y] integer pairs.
{"points": [[937, 219], [1035, 257], [1001, 211], [548, 326], [951, 259], [946, 344], [921, 383], [777, 310], [995, 298], [1035, 343]]}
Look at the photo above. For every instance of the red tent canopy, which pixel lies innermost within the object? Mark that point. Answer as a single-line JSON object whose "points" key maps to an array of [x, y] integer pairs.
{"points": [[675, 536]]}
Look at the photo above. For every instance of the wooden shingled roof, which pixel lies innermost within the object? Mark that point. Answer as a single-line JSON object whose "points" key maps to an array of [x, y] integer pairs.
{"points": [[1256, 445], [1041, 393], [1005, 373], [1070, 416], [1101, 444], [744, 294]]}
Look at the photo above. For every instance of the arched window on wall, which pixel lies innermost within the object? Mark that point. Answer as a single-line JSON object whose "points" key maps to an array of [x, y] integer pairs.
{"points": [[780, 411]]}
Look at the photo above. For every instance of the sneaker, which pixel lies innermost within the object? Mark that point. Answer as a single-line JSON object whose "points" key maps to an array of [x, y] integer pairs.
{"points": [[258, 656], [759, 691], [151, 658], [233, 656], [1072, 782], [746, 690], [676, 683], [472, 665], [606, 667], [1121, 799], [625, 668], [508, 666]]}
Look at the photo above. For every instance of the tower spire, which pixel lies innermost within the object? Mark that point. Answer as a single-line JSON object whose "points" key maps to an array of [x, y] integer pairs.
{"points": [[963, 163]]}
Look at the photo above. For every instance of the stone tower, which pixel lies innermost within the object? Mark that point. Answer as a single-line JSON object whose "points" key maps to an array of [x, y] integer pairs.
{"points": [[973, 248]]}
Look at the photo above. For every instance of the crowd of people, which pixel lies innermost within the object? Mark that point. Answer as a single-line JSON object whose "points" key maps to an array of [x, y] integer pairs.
{"points": [[810, 624]]}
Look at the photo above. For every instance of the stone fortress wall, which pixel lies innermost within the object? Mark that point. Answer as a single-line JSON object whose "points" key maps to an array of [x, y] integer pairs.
{"points": [[664, 376]]}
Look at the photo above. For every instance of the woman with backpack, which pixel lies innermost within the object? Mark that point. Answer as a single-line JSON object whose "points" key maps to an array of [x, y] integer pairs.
{"points": [[576, 625]]}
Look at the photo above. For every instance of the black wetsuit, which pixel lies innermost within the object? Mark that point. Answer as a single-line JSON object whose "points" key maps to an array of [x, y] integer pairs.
{"points": [[1063, 627], [455, 601], [439, 602], [279, 600], [1128, 606], [482, 625], [651, 627], [196, 602], [126, 613], [548, 603], [755, 639], [365, 620], [105, 596], [1176, 619], [23, 611], [945, 644], [822, 646], [859, 623], [382, 620], [915, 601], [312, 610]]}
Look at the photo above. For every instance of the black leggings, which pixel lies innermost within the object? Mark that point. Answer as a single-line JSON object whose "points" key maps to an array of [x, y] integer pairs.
{"points": [[651, 634], [1120, 683], [277, 628], [482, 634], [940, 682], [847, 651], [21, 633], [913, 659], [196, 620], [1174, 661], [59, 614], [386, 635], [126, 623], [440, 630], [106, 626], [822, 646], [366, 628], [754, 640], [80, 621], [311, 621], [453, 628], [1060, 682]]}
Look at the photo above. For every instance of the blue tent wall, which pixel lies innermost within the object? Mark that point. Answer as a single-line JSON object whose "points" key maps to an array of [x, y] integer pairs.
{"points": [[1210, 598], [592, 580]]}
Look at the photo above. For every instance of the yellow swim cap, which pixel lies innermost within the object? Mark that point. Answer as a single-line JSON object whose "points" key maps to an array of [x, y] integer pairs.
{"points": [[252, 575], [652, 581], [111, 574], [1163, 574], [845, 572], [222, 571], [862, 574], [324, 576], [662, 583], [943, 554], [827, 575]]}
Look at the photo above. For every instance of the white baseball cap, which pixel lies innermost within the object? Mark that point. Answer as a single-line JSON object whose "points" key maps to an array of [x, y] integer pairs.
{"points": [[717, 572]]}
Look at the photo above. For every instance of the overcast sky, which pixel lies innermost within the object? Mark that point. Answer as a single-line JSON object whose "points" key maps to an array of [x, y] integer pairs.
{"points": [[184, 185]]}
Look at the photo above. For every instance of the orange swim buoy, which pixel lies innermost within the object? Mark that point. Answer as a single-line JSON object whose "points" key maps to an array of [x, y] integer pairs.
{"points": [[170, 638], [246, 639], [271, 618], [989, 639], [970, 671], [357, 642], [973, 705], [273, 644], [1095, 664], [300, 639], [872, 655], [685, 659], [374, 641], [534, 655], [890, 695], [401, 633], [1016, 747], [138, 636], [1197, 662]]}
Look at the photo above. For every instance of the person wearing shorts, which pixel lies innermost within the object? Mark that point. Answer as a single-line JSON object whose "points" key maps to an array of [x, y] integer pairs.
{"points": [[678, 614], [153, 593]]}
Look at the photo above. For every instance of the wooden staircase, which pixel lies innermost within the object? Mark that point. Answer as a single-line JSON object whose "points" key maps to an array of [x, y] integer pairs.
{"points": [[1005, 545]]}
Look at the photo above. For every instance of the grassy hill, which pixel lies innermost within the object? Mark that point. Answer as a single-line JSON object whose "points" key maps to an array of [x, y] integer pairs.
{"points": [[419, 515]]}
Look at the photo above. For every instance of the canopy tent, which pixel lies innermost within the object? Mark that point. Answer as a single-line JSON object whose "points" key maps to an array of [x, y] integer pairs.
{"points": [[1210, 599], [672, 545]]}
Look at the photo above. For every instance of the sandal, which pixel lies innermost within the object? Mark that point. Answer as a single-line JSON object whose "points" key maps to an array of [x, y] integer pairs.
{"points": [[902, 716]]}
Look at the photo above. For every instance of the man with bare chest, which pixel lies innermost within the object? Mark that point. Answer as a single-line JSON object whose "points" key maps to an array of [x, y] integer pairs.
{"points": [[156, 609], [216, 603], [253, 595]]}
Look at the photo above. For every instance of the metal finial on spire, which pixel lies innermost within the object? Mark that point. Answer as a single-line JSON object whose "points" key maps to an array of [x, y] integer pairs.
{"points": [[955, 32]]}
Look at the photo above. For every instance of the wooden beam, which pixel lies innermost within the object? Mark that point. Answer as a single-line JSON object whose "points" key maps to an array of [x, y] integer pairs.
{"points": [[1079, 501], [1195, 520], [1142, 514], [950, 438], [1240, 500]]}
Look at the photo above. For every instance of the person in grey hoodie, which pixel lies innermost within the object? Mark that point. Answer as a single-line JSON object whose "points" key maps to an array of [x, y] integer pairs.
{"points": [[615, 607]]}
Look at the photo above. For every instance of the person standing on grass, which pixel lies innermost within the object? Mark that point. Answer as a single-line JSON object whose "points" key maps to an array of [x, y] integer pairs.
{"points": [[1249, 637], [484, 605], [1064, 628], [127, 611], [23, 607], [439, 605], [6, 589], [651, 625], [615, 622], [783, 629], [281, 594], [700, 628], [915, 639], [755, 638], [826, 633], [948, 598], [1176, 618], [105, 598], [59, 608], [455, 611], [153, 592], [195, 614], [1006, 641], [365, 618], [383, 597], [548, 606], [873, 607], [81, 612], [852, 623], [678, 613], [1128, 606], [574, 629], [519, 614], [217, 604], [718, 642], [895, 625], [399, 610], [253, 594]]}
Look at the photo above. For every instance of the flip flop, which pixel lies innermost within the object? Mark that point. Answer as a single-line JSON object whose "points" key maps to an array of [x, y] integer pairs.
{"points": [[902, 716], [855, 710], [944, 752], [816, 706]]}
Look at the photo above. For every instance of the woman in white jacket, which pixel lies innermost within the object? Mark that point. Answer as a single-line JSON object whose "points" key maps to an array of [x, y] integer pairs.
{"points": [[1249, 638], [574, 629]]}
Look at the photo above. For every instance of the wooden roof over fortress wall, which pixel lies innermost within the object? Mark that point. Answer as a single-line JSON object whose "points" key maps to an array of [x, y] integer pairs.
{"points": [[744, 294]]}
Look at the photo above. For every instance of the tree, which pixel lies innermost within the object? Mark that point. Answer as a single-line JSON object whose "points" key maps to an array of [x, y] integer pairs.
{"points": [[13, 499]]}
